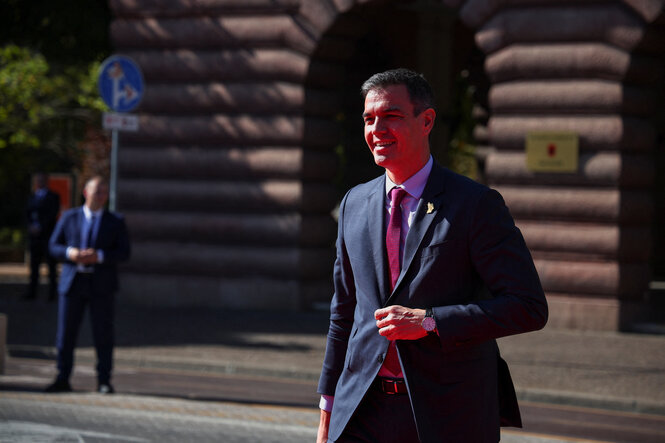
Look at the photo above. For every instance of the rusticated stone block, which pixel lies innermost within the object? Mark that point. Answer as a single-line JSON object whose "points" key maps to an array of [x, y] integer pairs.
{"points": [[223, 65], [236, 130], [180, 290], [343, 5], [476, 12], [180, 8], [229, 197], [481, 134], [601, 23], [596, 133], [583, 313], [595, 241], [319, 15], [624, 281], [595, 169], [265, 97], [211, 33], [228, 163], [649, 10], [575, 204], [232, 229], [229, 261], [571, 96], [571, 60]]}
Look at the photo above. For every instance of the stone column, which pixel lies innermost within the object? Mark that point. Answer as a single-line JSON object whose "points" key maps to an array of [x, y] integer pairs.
{"points": [[591, 68]]}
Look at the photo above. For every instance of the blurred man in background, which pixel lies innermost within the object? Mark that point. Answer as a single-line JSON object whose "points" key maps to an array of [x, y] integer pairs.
{"points": [[42, 213], [90, 241]]}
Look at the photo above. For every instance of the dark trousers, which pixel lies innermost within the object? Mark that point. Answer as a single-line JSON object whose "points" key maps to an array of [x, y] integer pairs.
{"points": [[38, 254], [381, 418], [71, 309]]}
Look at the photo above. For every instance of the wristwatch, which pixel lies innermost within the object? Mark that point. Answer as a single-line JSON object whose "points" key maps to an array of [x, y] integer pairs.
{"points": [[429, 324]]}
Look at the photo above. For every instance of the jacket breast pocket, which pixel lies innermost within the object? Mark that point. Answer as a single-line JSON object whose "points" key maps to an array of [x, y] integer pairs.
{"points": [[447, 246]]}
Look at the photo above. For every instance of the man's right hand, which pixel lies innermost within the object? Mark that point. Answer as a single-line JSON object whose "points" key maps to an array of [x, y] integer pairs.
{"points": [[83, 256], [322, 435]]}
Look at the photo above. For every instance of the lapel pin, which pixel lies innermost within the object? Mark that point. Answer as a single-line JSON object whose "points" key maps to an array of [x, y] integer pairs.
{"points": [[430, 208]]}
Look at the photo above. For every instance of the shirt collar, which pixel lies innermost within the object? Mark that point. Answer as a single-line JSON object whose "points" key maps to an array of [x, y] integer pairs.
{"points": [[414, 185], [88, 213]]}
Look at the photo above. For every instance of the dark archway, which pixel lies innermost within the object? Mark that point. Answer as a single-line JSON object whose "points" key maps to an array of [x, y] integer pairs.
{"points": [[376, 36]]}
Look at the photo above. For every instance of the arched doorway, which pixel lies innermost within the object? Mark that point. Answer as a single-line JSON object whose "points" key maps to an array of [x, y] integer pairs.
{"points": [[375, 36]]}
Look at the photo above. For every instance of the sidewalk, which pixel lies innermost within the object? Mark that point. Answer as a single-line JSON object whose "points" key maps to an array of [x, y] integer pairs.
{"points": [[604, 370]]}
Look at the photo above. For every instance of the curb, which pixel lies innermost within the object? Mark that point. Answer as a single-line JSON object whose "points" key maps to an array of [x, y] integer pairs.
{"points": [[566, 398]]}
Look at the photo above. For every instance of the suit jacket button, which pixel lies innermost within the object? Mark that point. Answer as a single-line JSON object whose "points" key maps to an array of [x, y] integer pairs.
{"points": [[380, 358]]}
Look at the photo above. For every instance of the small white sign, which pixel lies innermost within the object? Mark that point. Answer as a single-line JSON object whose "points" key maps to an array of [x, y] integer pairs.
{"points": [[121, 122]]}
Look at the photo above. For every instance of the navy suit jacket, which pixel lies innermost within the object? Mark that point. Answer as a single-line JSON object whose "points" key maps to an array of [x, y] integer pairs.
{"points": [[44, 211], [464, 258], [112, 238]]}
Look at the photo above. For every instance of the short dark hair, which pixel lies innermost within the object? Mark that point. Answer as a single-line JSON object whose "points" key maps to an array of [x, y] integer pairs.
{"points": [[420, 91]]}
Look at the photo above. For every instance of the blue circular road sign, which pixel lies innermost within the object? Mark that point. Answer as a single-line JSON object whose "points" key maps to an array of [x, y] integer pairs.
{"points": [[120, 83]]}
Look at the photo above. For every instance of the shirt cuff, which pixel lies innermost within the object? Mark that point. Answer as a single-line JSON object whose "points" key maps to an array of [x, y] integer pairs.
{"points": [[67, 251], [326, 402], [100, 256]]}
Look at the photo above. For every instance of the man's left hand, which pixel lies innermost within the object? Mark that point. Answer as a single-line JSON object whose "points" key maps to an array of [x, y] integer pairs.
{"points": [[400, 323], [88, 256]]}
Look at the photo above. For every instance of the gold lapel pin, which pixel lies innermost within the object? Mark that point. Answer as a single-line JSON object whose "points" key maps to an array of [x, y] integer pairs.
{"points": [[430, 208]]}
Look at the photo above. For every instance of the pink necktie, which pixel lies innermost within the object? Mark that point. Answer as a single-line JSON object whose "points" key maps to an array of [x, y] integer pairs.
{"points": [[393, 235]]}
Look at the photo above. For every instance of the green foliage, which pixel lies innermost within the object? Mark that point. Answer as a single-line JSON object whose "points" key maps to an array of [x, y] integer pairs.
{"points": [[11, 237], [50, 51], [41, 109]]}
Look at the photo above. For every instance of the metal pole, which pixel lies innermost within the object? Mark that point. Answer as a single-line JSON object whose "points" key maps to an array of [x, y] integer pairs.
{"points": [[114, 169]]}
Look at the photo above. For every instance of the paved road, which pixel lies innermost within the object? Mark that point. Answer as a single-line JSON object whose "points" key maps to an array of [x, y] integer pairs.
{"points": [[182, 374], [30, 417], [127, 418], [163, 405]]}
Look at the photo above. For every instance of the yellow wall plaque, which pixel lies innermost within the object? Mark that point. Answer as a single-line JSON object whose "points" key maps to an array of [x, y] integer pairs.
{"points": [[552, 151]]}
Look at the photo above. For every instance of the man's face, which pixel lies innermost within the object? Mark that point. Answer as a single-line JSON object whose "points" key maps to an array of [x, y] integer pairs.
{"points": [[40, 181], [397, 138], [96, 194]]}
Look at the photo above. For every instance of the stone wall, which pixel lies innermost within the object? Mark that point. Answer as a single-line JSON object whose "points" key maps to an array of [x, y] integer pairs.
{"points": [[590, 67], [227, 186]]}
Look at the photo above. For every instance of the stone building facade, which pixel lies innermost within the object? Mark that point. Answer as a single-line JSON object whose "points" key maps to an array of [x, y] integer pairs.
{"points": [[251, 110]]}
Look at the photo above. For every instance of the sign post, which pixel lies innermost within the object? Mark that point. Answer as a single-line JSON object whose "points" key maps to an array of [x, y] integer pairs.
{"points": [[121, 87]]}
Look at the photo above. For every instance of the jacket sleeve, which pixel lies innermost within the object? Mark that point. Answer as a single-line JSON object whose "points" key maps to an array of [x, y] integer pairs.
{"points": [[342, 309], [57, 244], [500, 257]]}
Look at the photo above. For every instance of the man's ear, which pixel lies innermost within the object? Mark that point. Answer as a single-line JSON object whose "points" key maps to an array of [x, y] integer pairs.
{"points": [[428, 116]]}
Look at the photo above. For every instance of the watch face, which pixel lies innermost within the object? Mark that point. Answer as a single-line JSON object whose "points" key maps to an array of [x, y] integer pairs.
{"points": [[429, 324]]}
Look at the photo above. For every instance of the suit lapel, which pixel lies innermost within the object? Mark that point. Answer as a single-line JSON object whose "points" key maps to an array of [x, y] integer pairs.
{"points": [[78, 229], [428, 206], [102, 225], [376, 220]]}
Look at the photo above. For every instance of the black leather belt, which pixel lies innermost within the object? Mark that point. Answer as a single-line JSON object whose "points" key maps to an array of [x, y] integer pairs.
{"points": [[392, 386]]}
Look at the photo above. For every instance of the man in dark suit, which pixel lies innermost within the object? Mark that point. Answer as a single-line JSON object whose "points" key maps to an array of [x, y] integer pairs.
{"points": [[42, 213], [90, 241], [427, 276]]}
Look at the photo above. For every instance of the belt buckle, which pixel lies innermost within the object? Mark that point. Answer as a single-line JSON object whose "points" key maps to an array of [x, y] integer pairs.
{"points": [[390, 386]]}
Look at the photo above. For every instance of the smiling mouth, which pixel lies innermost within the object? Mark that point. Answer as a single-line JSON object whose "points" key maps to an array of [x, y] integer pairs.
{"points": [[383, 144]]}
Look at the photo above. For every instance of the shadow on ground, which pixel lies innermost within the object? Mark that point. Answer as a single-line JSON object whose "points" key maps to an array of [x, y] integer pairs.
{"points": [[33, 323]]}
